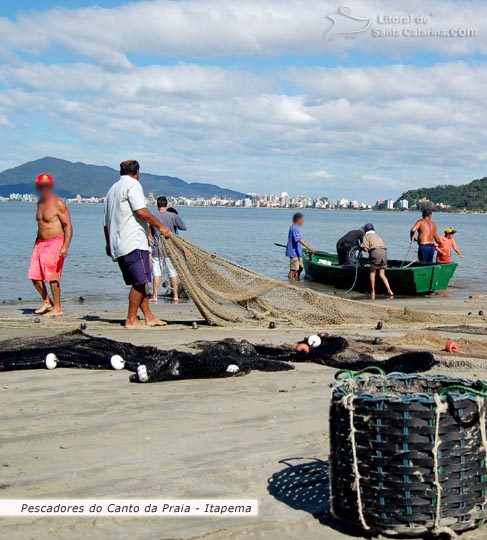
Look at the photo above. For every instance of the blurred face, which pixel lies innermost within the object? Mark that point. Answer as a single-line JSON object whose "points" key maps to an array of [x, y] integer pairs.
{"points": [[300, 221], [448, 235], [44, 190]]}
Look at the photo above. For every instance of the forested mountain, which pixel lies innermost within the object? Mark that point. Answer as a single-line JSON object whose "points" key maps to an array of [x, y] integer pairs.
{"points": [[94, 180], [472, 196]]}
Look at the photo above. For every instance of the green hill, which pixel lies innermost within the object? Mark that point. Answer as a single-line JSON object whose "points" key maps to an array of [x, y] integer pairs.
{"points": [[94, 180], [471, 197]]}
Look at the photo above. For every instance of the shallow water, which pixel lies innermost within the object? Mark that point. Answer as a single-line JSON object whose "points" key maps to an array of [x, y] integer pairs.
{"points": [[244, 235]]}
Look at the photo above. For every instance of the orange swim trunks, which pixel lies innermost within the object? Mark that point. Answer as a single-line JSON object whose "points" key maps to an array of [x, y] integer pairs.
{"points": [[45, 263]]}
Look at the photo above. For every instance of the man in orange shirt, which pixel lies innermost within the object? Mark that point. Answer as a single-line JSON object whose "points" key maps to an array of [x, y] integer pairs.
{"points": [[445, 245]]}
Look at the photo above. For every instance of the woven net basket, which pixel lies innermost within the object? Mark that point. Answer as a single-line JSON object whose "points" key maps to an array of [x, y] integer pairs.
{"points": [[408, 453]]}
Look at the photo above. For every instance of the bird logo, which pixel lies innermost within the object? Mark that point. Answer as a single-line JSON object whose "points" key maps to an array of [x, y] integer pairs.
{"points": [[344, 24]]}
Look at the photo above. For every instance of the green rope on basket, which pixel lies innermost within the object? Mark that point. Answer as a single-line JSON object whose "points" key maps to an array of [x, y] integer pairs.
{"points": [[348, 374], [466, 390]]}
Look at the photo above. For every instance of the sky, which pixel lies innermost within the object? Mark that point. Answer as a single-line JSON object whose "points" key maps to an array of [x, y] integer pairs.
{"points": [[354, 99]]}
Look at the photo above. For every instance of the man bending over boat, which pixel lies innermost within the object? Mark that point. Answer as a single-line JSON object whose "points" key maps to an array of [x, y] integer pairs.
{"points": [[294, 248], [374, 245], [346, 243], [54, 233], [427, 237]]}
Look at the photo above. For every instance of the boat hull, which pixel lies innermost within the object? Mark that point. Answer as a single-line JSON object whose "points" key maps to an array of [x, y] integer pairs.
{"points": [[407, 279]]}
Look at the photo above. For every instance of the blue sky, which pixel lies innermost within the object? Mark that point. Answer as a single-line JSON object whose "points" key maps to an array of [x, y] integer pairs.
{"points": [[257, 95]]}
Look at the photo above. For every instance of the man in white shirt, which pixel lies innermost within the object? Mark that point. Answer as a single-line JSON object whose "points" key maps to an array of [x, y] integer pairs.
{"points": [[127, 221]]}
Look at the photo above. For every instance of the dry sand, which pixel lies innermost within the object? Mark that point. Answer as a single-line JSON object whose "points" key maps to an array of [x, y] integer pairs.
{"points": [[92, 434]]}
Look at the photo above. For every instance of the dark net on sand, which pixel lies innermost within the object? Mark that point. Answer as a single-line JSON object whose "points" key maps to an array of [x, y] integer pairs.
{"points": [[228, 294]]}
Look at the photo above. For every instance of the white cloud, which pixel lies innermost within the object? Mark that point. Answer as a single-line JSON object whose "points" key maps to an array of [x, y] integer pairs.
{"points": [[379, 129], [255, 28], [321, 174], [237, 128]]}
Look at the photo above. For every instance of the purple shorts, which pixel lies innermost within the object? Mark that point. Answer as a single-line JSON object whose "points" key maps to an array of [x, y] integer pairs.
{"points": [[135, 267]]}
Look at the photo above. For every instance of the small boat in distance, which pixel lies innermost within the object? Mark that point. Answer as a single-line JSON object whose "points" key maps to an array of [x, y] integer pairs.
{"points": [[406, 278]]}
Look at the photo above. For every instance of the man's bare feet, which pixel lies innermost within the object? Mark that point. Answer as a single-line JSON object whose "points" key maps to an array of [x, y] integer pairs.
{"points": [[46, 306], [54, 313], [372, 296], [153, 300], [175, 300], [152, 323], [133, 325]]}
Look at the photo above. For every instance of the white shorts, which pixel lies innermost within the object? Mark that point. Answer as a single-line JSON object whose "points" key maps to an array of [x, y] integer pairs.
{"points": [[157, 267]]}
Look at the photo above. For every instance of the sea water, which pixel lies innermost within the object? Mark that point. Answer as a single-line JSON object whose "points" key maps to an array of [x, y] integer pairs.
{"points": [[245, 235]]}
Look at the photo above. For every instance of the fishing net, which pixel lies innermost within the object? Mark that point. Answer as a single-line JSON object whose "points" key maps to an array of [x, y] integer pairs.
{"points": [[228, 294]]}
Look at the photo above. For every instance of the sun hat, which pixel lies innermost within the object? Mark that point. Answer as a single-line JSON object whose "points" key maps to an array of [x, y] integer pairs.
{"points": [[44, 180]]}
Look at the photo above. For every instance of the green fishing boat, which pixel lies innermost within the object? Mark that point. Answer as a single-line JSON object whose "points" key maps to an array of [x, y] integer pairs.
{"points": [[406, 278]]}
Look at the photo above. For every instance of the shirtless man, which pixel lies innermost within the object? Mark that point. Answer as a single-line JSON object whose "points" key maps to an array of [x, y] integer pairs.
{"points": [[54, 235], [427, 237]]}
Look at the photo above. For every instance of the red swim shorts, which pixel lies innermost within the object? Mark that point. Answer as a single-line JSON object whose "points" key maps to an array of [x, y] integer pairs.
{"points": [[45, 263]]}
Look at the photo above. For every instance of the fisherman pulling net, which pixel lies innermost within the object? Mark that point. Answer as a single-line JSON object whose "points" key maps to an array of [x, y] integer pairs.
{"points": [[227, 294]]}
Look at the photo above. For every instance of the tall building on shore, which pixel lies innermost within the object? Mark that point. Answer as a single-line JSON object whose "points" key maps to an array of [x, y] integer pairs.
{"points": [[404, 204]]}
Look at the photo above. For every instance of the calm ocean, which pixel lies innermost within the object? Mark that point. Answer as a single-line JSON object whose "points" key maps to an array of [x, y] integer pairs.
{"points": [[244, 235]]}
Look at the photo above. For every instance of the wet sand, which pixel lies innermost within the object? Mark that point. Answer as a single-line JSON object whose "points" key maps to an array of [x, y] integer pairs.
{"points": [[92, 434]]}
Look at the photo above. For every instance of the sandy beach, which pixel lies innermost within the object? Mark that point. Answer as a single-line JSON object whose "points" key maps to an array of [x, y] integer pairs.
{"points": [[73, 433]]}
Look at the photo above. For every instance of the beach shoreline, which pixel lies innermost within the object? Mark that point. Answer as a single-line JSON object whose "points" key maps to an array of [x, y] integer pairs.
{"points": [[72, 433]]}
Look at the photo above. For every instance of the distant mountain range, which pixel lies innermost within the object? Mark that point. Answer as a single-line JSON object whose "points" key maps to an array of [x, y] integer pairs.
{"points": [[472, 196], [94, 180]]}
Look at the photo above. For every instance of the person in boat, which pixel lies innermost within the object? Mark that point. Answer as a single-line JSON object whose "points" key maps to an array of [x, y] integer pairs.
{"points": [[377, 250], [347, 242], [54, 233], [173, 221], [294, 248], [428, 237], [446, 245]]}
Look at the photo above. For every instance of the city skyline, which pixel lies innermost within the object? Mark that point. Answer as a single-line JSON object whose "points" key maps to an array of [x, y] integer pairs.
{"points": [[253, 200]]}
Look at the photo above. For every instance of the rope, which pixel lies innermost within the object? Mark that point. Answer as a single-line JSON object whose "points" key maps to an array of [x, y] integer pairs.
{"points": [[357, 266], [440, 409], [483, 434], [409, 264], [407, 254], [348, 374], [465, 390], [348, 402]]}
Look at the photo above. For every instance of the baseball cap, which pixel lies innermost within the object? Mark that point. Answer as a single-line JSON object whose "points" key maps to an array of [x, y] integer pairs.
{"points": [[44, 180], [450, 230], [368, 227]]}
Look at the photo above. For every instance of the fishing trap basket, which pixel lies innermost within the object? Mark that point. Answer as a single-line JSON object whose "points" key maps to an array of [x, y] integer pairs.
{"points": [[408, 453]]}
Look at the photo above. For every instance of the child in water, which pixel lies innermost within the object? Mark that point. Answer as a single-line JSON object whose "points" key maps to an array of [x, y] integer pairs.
{"points": [[444, 247]]}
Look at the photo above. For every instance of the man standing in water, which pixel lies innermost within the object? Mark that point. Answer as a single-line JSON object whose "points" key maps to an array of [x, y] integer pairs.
{"points": [[127, 221], [54, 233], [294, 248], [172, 220], [427, 237]]}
